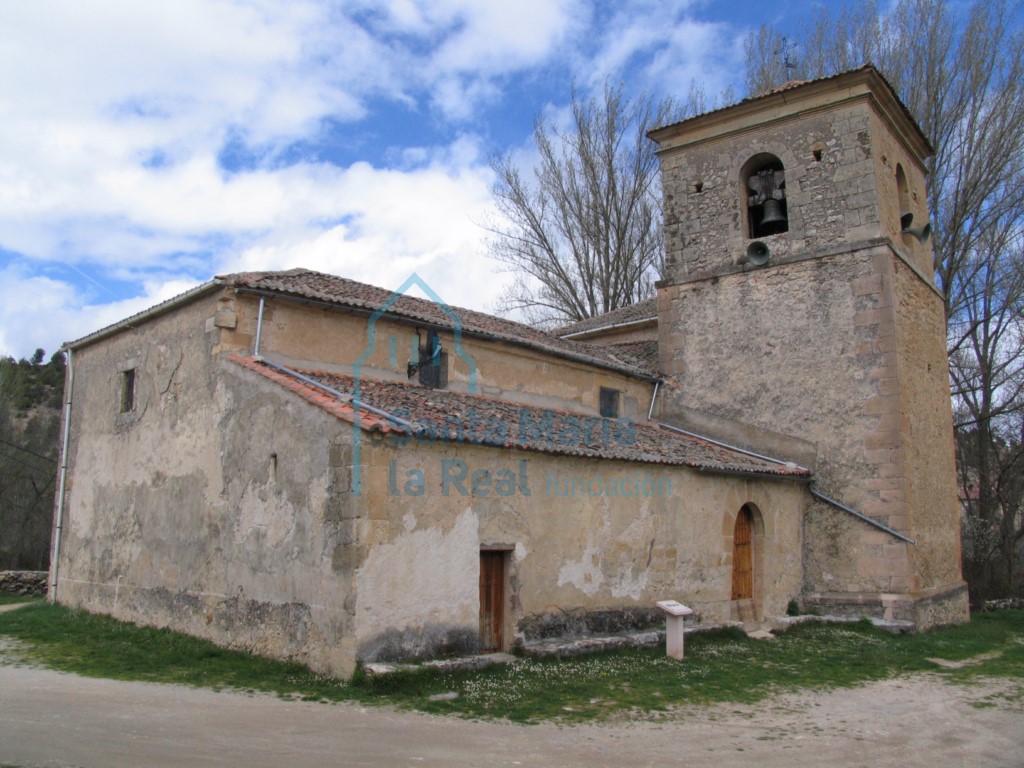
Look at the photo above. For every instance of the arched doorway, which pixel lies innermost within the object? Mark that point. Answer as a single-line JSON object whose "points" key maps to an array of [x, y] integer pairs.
{"points": [[743, 555]]}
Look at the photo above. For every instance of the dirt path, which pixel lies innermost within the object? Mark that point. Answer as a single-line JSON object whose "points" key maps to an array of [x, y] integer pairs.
{"points": [[53, 719]]}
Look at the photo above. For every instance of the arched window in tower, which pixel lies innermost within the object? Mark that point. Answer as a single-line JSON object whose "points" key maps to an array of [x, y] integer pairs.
{"points": [[903, 191], [764, 180]]}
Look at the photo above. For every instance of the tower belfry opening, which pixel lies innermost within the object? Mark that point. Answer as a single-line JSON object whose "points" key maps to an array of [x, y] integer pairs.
{"points": [[765, 179]]}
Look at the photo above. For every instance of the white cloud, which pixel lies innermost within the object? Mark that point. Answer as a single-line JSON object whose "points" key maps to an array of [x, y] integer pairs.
{"points": [[48, 311], [665, 47], [91, 93], [116, 117], [471, 46], [425, 220]]}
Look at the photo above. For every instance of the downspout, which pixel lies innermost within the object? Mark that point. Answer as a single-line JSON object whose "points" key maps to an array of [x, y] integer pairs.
{"points": [[859, 515], [259, 329], [653, 398], [58, 523], [788, 464]]}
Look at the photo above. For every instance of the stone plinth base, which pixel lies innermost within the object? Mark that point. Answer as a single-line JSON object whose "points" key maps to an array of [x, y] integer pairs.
{"points": [[927, 609]]}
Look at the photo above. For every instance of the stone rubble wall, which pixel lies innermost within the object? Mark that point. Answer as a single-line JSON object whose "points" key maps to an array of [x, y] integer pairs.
{"points": [[23, 582], [1009, 603]]}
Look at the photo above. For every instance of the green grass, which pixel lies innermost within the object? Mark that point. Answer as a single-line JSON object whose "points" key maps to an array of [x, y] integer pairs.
{"points": [[98, 646], [719, 667], [10, 599]]}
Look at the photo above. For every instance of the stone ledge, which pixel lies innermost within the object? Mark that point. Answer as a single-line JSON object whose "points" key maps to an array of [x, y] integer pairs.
{"points": [[895, 626], [566, 647], [378, 668], [578, 647]]}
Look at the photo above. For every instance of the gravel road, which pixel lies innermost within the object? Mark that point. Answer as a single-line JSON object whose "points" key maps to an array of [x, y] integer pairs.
{"points": [[53, 719]]}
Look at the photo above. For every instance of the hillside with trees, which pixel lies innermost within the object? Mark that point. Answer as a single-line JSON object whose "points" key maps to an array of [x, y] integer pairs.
{"points": [[30, 401]]}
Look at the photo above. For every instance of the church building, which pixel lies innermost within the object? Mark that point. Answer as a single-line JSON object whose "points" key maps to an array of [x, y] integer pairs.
{"points": [[317, 469]]}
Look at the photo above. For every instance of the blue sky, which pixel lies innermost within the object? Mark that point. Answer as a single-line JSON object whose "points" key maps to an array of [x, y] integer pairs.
{"points": [[146, 146]]}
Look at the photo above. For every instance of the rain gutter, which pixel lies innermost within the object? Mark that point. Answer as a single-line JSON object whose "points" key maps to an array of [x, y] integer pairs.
{"points": [[58, 523]]}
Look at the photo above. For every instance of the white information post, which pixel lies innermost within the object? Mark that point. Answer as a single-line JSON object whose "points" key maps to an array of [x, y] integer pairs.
{"points": [[675, 614]]}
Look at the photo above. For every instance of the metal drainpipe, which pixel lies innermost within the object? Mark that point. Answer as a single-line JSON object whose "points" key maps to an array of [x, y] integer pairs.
{"points": [[413, 428], [653, 398], [259, 329], [59, 522], [860, 515], [744, 451]]}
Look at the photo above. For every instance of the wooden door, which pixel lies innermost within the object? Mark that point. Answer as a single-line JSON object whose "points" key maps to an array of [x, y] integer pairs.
{"points": [[492, 600], [743, 556]]}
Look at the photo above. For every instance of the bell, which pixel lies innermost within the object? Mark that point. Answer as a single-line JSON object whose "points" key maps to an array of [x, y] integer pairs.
{"points": [[921, 233], [758, 254], [772, 212]]}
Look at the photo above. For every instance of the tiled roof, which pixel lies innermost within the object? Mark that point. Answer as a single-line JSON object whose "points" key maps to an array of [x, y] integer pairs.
{"points": [[644, 351], [342, 409], [792, 85], [642, 310], [340, 291], [442, 415]]}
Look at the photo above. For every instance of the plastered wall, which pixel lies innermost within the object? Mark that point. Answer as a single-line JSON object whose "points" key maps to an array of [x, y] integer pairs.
{"points": [[214, 507], [305, 337], [573, 549]]}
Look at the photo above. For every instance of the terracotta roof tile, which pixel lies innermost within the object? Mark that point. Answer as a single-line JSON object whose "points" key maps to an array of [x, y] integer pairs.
{"points": [[441, 415], [330, 289], [335, 406], [646, 352], [641, 310]]}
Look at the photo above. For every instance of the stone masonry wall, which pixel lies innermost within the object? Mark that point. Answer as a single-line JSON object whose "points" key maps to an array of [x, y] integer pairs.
{"points": [[576, 562], [23, 583], [803, 348], [830, 200], [926, 427], [304, 337]]}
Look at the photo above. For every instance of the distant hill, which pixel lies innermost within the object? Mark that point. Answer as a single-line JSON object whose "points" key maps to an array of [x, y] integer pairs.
{"points": [[30, 403]]}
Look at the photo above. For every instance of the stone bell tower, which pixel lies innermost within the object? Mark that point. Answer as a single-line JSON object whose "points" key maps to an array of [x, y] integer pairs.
{"points": [[799, 317]]}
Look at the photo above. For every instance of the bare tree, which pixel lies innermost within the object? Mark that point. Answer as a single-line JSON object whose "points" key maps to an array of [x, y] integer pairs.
{"points": [[963, 79], [987, 373], [583, 234]]}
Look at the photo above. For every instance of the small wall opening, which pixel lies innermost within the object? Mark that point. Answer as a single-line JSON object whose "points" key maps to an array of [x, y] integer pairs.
{"points": [[902, 190], [127, 394], [609, 403]]}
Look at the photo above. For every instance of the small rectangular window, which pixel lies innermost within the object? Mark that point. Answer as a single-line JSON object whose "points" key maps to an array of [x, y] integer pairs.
{"points": [[609, 403], [128, 390], [433, 363]]}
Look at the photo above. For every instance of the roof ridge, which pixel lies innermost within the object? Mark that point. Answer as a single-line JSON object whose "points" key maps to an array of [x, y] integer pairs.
{"points": [[312, 285], [597, 322]]}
